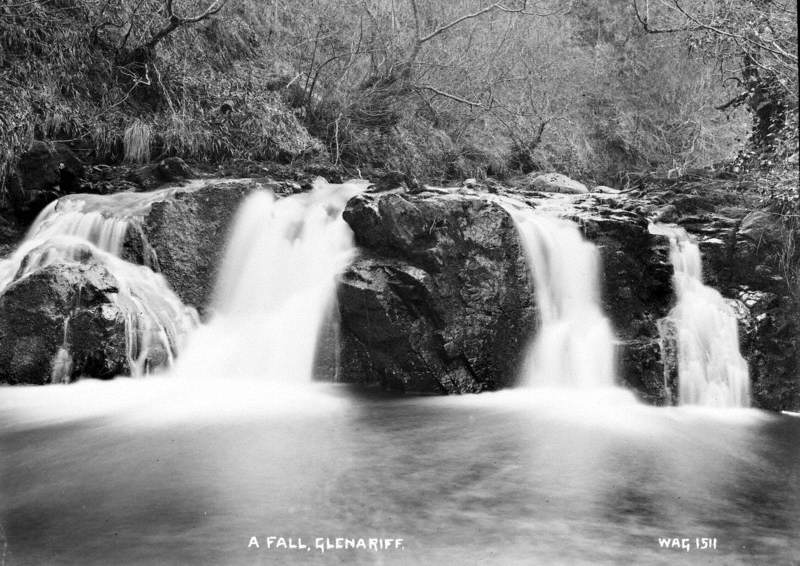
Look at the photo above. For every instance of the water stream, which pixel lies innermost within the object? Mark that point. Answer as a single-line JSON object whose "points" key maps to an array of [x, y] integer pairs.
{"points": [[711, 371], [275, 287], [175, 469], [91, 230], [574, 345]]}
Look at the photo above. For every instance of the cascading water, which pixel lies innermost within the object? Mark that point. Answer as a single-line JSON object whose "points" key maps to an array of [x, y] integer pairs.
{"points": [[275, 287], [574, 346], [711, 371], [91, 229]]}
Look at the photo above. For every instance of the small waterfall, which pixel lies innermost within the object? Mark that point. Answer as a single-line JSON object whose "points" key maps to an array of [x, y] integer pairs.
{"points": [[711, 371], [92, 229], [276, 286], [575, 344]]}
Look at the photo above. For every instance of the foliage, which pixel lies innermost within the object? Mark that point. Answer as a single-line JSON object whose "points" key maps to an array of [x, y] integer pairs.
{"points": [[753, 44], [438, 89]]}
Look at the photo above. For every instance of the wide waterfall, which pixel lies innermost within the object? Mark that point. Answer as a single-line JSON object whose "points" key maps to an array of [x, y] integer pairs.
{"points": [[276, 285], [574, 346], [91, 229], [711, 371]]}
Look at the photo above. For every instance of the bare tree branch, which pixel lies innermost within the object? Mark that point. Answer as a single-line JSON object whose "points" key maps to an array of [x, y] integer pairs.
{"points": [[719, 31], [445, 27], [451, 96], [644, 20], [176, 21]]}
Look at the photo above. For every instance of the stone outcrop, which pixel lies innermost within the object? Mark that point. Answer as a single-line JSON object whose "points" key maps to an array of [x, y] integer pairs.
{"points": [[440, 300], [183, 237], [636, 286], [743, 249], [61, 305], [556, 183], [42, 174], [154, 175], [399, 317]]}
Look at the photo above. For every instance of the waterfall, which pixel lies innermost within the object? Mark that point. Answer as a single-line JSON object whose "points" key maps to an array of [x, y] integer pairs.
{"points": [[574, 346], [711, 371], [275, 286], [92, 229]]}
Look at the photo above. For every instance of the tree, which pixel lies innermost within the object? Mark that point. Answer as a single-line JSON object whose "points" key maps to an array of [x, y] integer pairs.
{"points": [[760, 37]]}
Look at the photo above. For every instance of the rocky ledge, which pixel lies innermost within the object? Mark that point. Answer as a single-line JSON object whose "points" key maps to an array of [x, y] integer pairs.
{"points": [[439, 299]]}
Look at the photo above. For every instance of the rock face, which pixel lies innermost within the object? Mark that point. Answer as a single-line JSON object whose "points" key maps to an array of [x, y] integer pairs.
{"points": [[636, 287], [441, 282], [56, 306], [743, 249], [769, 330], [43, 173], [440, 300], [167, 170], [183, 237]]}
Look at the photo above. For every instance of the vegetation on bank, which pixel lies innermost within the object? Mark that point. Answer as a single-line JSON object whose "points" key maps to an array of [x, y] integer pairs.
{"points": [[437, 89]]}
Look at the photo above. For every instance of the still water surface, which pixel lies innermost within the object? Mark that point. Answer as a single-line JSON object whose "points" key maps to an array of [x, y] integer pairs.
{"points": [[169, 471]]}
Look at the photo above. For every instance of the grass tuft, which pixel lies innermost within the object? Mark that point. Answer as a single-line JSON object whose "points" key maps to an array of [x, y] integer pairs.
{"points": [[137, 142]]}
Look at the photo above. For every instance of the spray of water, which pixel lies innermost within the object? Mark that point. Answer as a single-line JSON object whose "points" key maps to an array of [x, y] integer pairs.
{"points": [[711, 371], [81, 229], [275, 286], [574, 346]]}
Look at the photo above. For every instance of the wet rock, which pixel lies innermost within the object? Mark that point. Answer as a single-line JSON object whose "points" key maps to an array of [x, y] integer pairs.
{"points": [[42, 174], [391, 180], [440, 300], [636, 287], [173, 169], [769, 327], [154, 175], [67, 304], [667, 214], [184, 238], [642, 369], [635, 274]]}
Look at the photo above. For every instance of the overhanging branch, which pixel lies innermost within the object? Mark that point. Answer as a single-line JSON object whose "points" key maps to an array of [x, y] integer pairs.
{"points": [[175, 21]]}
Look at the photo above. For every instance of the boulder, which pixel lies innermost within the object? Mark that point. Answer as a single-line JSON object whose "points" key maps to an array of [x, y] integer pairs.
{"points": [[440, 300], [557, 183], [42, 174], [667, 214], [64, 305], [769, 327], [173, 169], [761, 227], [391, 180], [153, 175], [641, 366], [183, 237], [755, 252]]}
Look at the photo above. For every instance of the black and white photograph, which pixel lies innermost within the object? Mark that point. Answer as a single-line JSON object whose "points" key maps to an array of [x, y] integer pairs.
{"points": [[399, 282]]}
